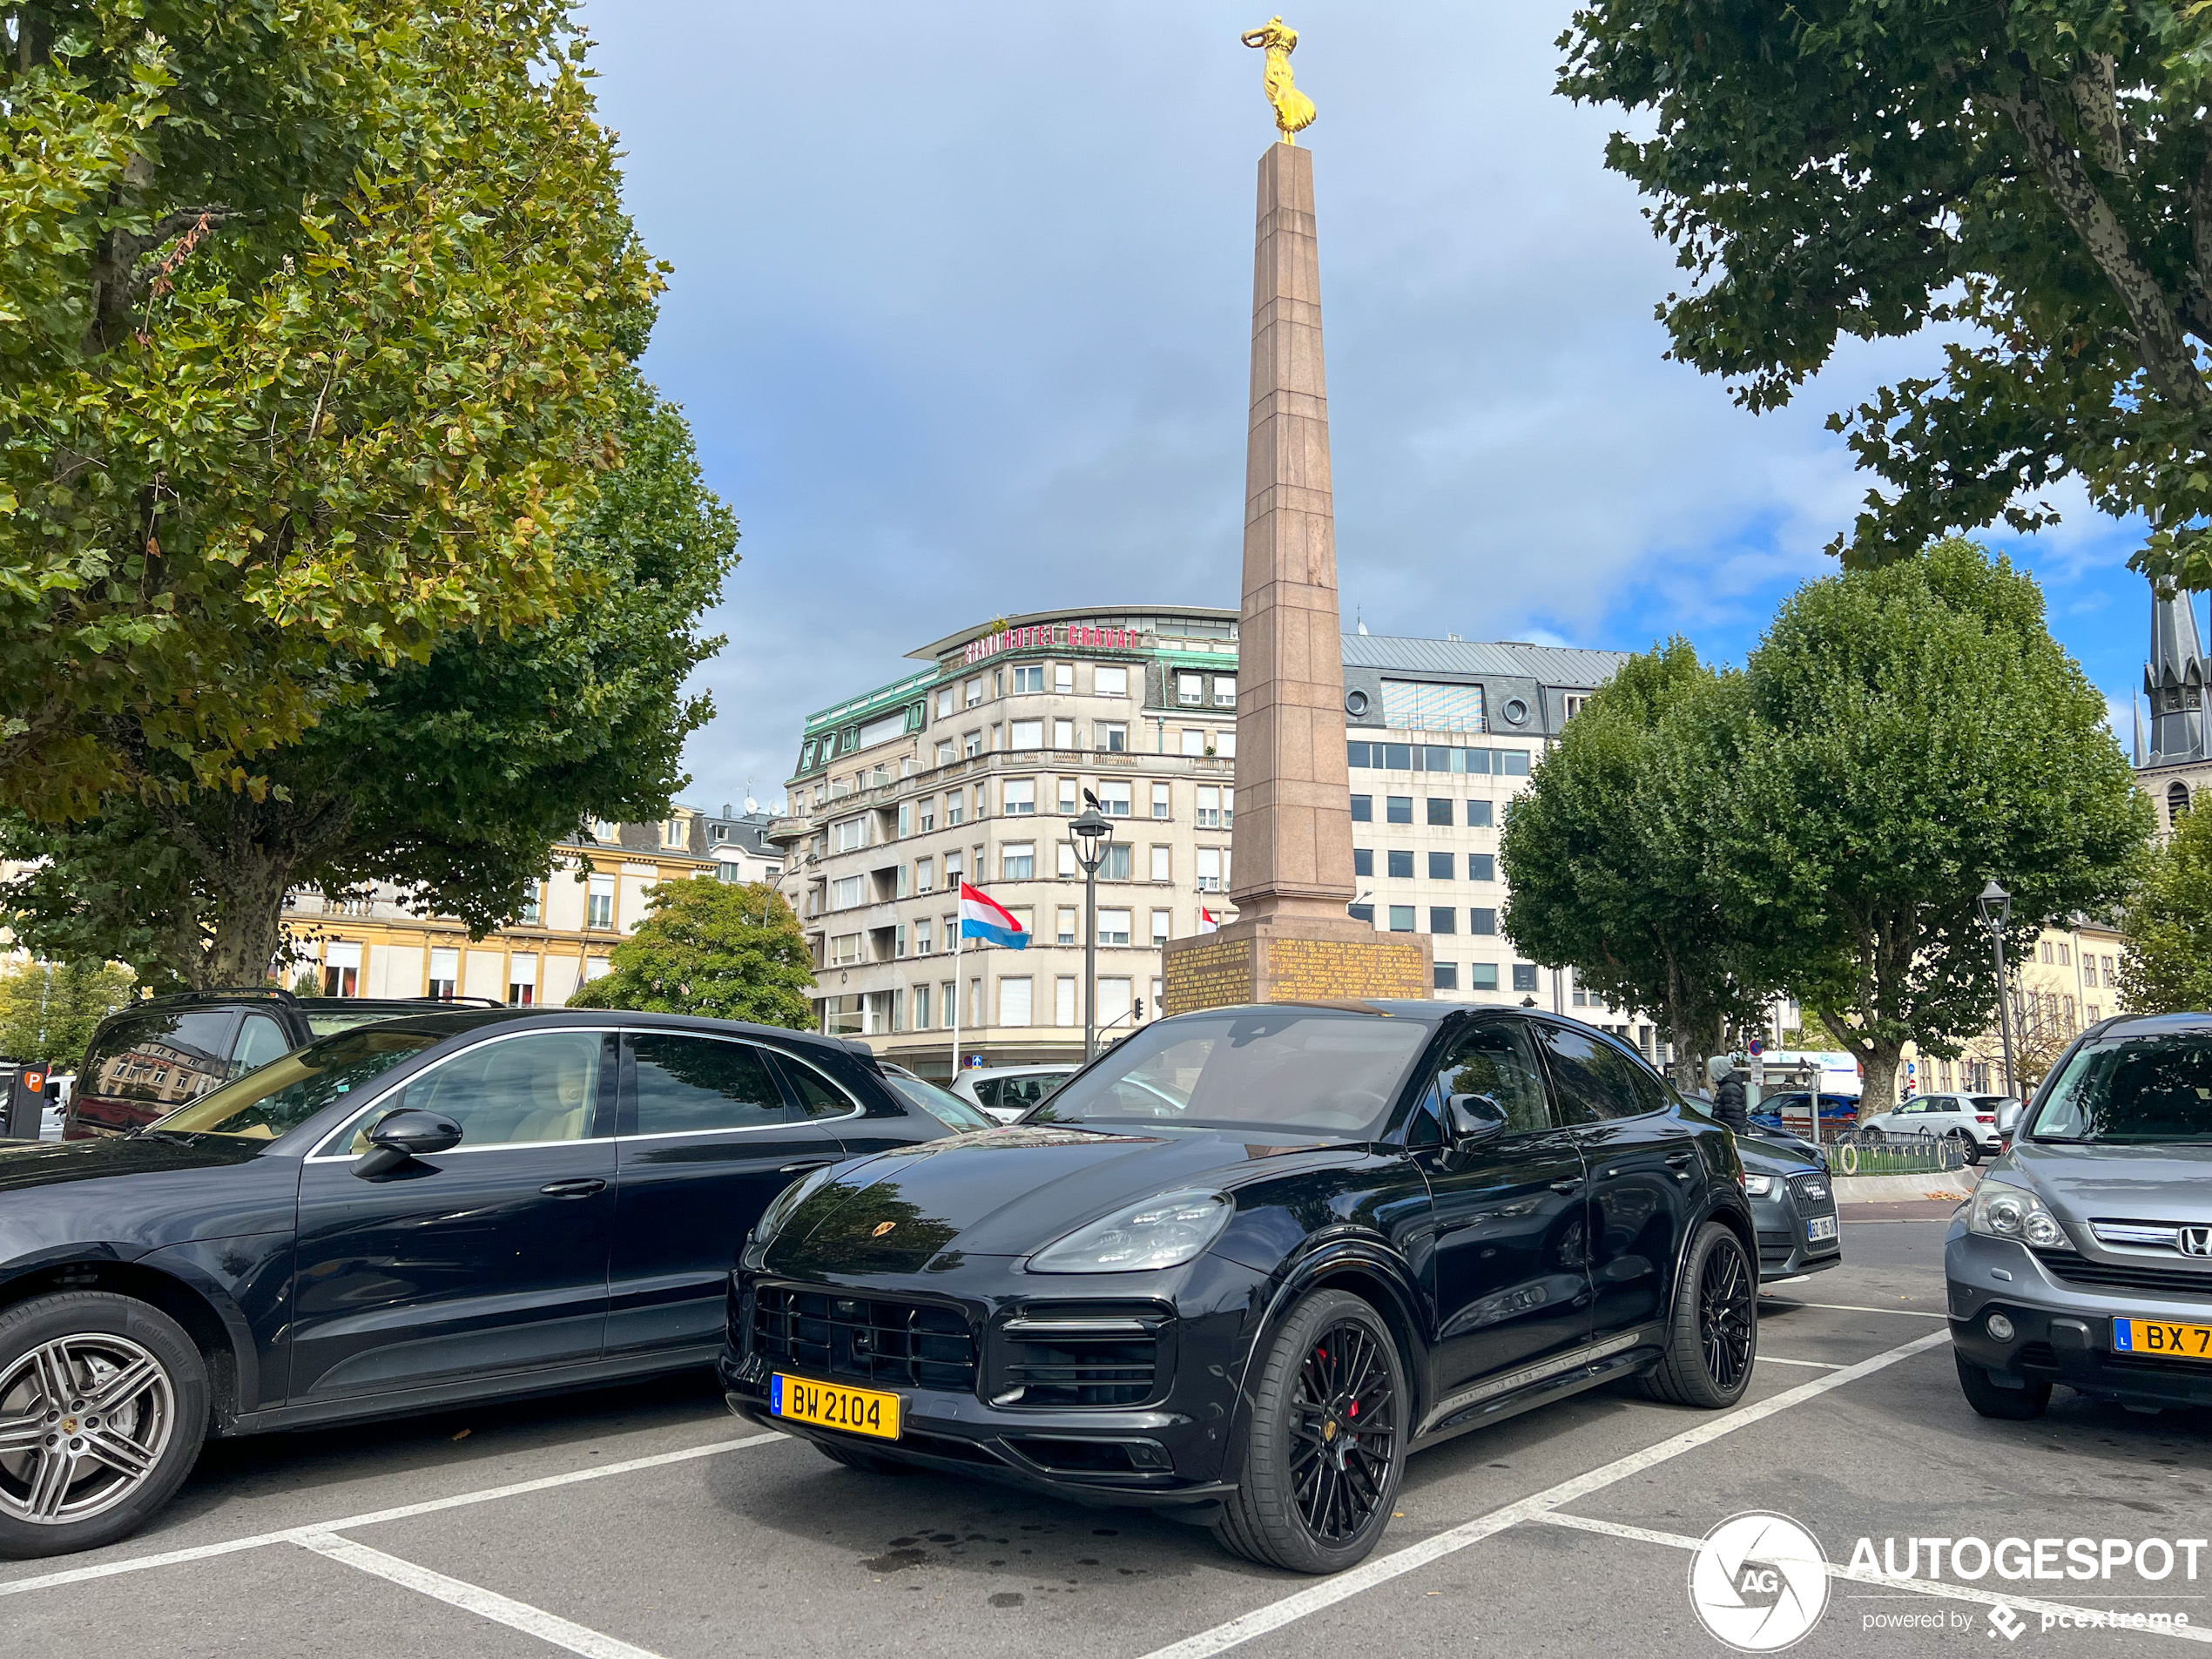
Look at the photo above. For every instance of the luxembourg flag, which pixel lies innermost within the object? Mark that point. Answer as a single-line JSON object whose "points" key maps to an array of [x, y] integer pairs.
{"points": [[1207, 922], [984, 917]]}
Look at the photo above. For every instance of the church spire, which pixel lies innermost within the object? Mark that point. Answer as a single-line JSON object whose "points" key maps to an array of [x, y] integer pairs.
{"points": [[2174, 680]]}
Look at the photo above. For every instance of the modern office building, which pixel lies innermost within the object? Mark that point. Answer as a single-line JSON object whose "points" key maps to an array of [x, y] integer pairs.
{"points": [[971, 768]]}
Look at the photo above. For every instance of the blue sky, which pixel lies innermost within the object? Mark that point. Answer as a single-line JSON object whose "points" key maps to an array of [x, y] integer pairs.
{"points": [[960, 316]]}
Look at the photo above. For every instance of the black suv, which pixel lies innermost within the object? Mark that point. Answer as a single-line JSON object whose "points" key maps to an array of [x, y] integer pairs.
{"points": [[153, 1057]]}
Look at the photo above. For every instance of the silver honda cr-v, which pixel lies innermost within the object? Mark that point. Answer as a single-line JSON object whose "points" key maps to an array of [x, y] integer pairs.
{"points": [[2085, 1256]]}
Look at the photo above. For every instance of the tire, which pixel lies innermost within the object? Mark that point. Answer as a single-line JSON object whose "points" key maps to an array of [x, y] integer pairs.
{"points": [[853, 1458], [1317, 1491], [2010, 1405], [62, 1490], [1712, 1337]]}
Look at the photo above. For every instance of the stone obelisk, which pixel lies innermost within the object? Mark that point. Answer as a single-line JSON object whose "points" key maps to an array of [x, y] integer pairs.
{"points": [[1291, 858]]}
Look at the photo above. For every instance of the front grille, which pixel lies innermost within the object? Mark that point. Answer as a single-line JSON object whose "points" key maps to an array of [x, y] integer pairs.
{"points": [[1814, 1196], [2078, 1269], [916, 1345], [2036, 1356], [1079, 1357], [1775, 1247]]}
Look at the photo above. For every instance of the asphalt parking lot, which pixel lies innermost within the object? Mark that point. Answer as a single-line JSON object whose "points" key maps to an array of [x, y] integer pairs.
{"points": [[646, 1522]]}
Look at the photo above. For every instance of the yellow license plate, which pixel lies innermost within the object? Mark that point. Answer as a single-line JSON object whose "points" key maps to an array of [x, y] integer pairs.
{"points": [[2163, 1338], [856, 1410]]}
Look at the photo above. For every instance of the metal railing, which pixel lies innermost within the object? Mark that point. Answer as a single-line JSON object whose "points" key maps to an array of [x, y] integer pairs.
{"points": [[1859, 1152]]}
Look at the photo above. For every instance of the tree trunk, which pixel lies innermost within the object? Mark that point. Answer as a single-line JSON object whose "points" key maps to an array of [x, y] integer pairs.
{"points": [[249, 923], [1881, 1060]]}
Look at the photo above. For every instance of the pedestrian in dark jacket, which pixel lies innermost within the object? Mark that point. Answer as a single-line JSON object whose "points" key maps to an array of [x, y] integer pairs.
{"points": [[1728, 1103]]}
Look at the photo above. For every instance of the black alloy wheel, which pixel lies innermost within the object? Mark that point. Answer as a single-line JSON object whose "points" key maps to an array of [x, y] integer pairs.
{"points": [[1712, 1334], [1325, 1439]]}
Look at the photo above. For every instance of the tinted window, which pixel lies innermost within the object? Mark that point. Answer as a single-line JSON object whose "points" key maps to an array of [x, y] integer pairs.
{"points": [[2134, 1092], [1596, 1081], [287, 1092], [259, 1041], [817, 1096], [1495, 1057], [947, 1107], [987, 1091], [686, 1085], [161, 1060], [541, 1087]]}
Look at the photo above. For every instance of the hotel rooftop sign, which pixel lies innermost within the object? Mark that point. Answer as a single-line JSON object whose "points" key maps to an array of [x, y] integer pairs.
{"points": [[1049, 636]]}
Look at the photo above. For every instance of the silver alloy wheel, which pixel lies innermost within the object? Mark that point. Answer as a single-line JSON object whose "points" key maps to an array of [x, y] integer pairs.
{"points": [[83, 1420]]}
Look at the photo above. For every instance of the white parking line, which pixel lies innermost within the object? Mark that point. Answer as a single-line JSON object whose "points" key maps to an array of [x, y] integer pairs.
{"points": [[474, 1598], [404, 1512], [1370, 1574], [1853, 1307], [1924, 1585], [1810, 1365]]}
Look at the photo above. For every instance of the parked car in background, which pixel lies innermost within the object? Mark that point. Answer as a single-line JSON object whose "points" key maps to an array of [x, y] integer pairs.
{"points": [[1006, 1092], [948, 1109], [1789, 1112], [153, 1057], [1971, 1120], [456, 1206], [1793, 1205], [2085, 1255], [1249, 1260]]}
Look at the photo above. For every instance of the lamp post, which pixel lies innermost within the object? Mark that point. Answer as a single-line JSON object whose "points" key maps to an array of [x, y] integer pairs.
{"points": [[1996, 907], [1090, 835]]}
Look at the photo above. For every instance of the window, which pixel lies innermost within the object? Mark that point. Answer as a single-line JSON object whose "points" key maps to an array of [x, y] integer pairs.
{"points": [[1439, 810], [2043, 949], [1482, 976], [1160, 864], [1573, 703], [1189, 690], [1064, 999], [955, 867], [1362, 809], [445, 972], [675, 833], [1064, 933], [521, 980], [947, 753], [1443, 919], [1224, 742], [1112, 736], [1067, 865], [924, 875], [1113, 927], [1228, 804], [1063, 678], [1018, 797], [1208, 811], [1028, 676], [899, 941], [1363, 861], [597, 967], [1114, 1002], [844, 892], [1447, 976], [1110, 682], [1482, 921], [341, 963], [695, 1085], [845, 950], [1398, 809], [1161, 920], [1018, 861], [1194, 740], [946, 699], [1595, 1080], [1015, 1000], [1160, 800], [259, 1041], [1063, 734], [848, 834], [1401, 919], [1209, 869], [972, 693], [1524, 976], [1113, 798], [2066, 959], [2111, 980], [1115, 865], [955, 809], [2067, 1002], [1225, 691], [1027, 734], [1479, 814], [1483, 867], [538, 1087], [922, 947], [1400, 863], [972, 744], [533, 903], [1440, 867]]}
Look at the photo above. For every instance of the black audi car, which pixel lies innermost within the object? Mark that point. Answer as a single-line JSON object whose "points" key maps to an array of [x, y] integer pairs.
{"points": [[1244, 1262], [419, 1212]]}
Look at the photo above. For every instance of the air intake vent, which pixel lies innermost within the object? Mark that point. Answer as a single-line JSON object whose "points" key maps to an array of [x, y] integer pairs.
{"points": [[1081, 1357], [917, 1344]]}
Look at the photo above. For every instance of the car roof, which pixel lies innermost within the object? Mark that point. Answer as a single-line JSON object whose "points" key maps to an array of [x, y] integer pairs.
{"points": [[2152, 1025], [1018, 1071], [454, 1023]]}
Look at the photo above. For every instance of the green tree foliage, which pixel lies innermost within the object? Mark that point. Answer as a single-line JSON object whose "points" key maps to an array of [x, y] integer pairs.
{"points": [[48, 1010], [1906, 734], [452, 779], [2035, 178], [2167, 964], [723, 950], [1608, 857], [312, 330]]}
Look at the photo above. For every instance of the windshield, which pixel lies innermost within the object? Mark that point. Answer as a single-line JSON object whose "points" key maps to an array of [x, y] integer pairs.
{"points": [[2133, 1091], [1308, 1070], [285, 1093], [947, 1109]]}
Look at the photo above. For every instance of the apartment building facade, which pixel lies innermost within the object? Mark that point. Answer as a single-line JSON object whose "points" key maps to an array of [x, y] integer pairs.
{"points": [[972, 767]]}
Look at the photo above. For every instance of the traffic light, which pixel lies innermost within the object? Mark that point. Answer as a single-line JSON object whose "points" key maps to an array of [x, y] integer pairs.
{"points": [[1140, 1007]]}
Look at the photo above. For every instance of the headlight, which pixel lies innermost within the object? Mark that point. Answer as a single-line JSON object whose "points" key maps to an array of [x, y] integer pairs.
{"points": [[1165, 1231], [1759, 1186], [787, 1204], [2005, 1211]]}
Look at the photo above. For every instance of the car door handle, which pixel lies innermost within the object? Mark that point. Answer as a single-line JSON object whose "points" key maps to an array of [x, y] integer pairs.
{"points": [[1574, 1185], [582, 1187], [804, 1165]]}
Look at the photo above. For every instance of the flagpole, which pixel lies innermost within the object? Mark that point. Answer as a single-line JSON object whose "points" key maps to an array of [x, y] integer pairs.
{"points": [[959, 937]]}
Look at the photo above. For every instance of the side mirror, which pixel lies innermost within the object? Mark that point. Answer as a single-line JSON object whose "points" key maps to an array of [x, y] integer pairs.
{"points": [[1473, 1118], [2008, 1117], [401, 1135]]}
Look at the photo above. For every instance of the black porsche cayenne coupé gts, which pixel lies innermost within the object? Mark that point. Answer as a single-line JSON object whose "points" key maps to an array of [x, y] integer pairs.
{"points": [[1247, 1261]]}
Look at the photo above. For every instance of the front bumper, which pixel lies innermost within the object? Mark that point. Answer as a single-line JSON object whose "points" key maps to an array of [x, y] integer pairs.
{"points": [[2062, 1331], [1786, 1248]]}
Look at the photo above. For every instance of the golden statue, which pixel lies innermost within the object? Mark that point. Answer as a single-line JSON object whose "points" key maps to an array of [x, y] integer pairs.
{"points": [[1293, 109]]}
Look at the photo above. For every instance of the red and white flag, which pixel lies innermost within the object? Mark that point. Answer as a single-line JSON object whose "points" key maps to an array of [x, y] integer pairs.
{"points": [[1207, 920]]}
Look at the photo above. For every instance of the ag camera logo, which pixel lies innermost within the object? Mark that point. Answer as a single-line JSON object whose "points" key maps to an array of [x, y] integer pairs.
{"points": [[1759, 1582]]}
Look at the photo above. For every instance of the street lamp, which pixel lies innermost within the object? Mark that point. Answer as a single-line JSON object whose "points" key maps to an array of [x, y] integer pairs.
{"points": [[1996, 907], [1090, 835]]}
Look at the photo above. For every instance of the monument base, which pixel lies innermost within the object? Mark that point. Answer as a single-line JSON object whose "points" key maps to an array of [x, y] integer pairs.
{"points": [[1293, 960]]}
